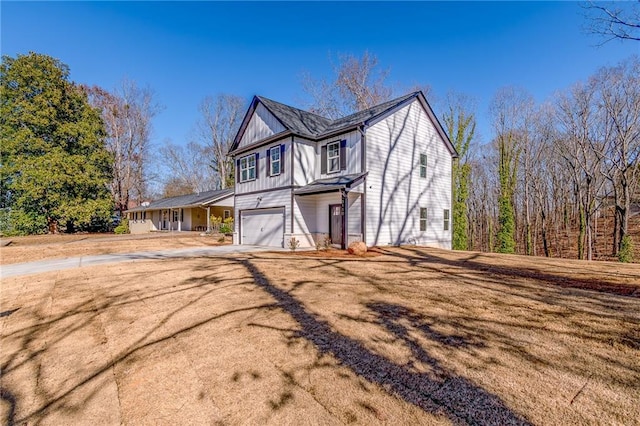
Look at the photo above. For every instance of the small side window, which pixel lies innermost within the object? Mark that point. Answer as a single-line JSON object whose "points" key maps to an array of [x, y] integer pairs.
{"points": [[446, 219], [423, 219], [423, 165]]}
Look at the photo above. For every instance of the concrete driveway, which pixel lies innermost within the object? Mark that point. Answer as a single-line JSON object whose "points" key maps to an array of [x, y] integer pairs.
{"points": [[28, 268]]}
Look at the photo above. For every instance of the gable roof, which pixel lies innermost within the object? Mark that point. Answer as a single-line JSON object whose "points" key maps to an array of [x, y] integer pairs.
{"points": [[315, 127], [294, 119], [190, 200]]}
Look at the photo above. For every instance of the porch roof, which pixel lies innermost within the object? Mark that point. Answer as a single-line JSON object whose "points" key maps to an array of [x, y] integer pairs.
{"points": [[331, 184], [191, 200]]}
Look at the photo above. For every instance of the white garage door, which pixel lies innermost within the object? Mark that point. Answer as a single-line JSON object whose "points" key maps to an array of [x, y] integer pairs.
{"points": [[263, 227]]}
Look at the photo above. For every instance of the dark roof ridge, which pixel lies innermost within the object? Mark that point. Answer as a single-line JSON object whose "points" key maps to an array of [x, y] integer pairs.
{"points": [[292, 107]]}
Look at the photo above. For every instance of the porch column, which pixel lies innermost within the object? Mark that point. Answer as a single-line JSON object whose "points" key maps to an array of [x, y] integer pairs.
{"points": [[208, 219], [179, 220], [345, 219]]}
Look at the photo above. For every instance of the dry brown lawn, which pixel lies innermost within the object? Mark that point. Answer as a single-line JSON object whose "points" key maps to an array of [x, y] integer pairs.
{"points": [[412, 336], [38, 247]]}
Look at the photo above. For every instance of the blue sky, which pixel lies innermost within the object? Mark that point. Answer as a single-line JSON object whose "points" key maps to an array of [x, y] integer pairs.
{"points": [[185, 51]]}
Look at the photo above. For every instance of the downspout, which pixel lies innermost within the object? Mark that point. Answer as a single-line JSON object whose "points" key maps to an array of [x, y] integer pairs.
{"points": [[363, 169], [292, 183]]}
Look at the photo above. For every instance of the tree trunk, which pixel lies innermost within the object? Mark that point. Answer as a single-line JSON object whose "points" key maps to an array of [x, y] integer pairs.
{"points": [[581, 233]]}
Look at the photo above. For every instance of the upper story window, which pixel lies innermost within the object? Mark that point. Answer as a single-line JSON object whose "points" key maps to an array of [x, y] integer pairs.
{"points": [[275, 160], [423, 219], [247, 168], [423, 165], [333, 157]]}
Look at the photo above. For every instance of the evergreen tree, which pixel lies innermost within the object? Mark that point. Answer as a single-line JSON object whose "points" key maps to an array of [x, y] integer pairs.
{"points": [[55, 168]]}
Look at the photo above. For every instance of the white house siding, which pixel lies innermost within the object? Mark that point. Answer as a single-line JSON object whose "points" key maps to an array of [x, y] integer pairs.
{"points": [[311, 217], [306, 162], [263, 181], [270, 199], [395, 190], [353, 153], [261, 125]]}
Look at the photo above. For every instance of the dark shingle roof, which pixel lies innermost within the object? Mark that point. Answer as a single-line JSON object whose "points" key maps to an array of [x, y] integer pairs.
{"points": [[186, 200], [315, 126], [296, 120], [367, 114], [330, 184]]}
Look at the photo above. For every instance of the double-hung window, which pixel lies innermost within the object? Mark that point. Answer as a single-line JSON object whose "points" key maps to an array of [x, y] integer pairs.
{"points": [[274, 157], [446, 219], [333, 157], [423, 165], [423, 219], [247, 168]]}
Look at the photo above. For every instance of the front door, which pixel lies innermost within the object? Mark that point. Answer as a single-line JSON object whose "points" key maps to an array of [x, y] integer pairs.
{"points": [[335, 223]]}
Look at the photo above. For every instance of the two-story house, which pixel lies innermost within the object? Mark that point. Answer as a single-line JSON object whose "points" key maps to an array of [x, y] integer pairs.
{"points": [[382, 176]]}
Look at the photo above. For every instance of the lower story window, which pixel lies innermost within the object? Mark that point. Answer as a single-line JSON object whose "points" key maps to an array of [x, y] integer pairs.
{"points": [[423, 219]]}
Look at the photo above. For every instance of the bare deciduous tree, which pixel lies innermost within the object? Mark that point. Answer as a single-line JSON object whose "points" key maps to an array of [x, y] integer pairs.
{"points": [[218, 125], [359, 84], [188, 170], [618, 100], [614, 20], [127, 113]]}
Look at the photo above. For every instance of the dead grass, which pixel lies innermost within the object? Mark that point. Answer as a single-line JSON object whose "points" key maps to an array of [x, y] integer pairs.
{"points": [[413, 336], [38, 247]]}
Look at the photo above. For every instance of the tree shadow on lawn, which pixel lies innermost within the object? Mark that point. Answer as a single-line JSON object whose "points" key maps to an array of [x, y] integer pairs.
{"points": [[35, 338], [440, 393], [529, 307], [418, 256]]}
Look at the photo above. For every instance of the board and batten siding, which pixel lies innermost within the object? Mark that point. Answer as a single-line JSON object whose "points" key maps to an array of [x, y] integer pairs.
{"points": [[306, 162], [264, 181], [262, 125], [353, 153], [395, 190], [271, 199]]}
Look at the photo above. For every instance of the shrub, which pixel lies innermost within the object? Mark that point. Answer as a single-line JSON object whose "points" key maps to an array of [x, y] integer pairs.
{"points": [[626, 250], [227, 226], [123, 227], [294, 243]]}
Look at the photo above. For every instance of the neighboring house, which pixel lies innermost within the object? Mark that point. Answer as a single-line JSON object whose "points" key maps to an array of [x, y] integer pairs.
{"points": [[382, 176], [183, 213]]}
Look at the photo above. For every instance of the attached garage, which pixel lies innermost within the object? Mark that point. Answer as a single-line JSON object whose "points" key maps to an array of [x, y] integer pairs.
{"points": [[262, 227]]}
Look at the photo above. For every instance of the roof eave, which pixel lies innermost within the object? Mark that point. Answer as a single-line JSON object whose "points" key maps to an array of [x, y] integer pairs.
{"points": [[261, 142]]}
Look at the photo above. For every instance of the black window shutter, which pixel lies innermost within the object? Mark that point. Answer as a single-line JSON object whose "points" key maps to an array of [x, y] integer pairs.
{"points": [[343, 155], [238, 170], [269, 162], [257, 168], [282, 158], [323, 160]]}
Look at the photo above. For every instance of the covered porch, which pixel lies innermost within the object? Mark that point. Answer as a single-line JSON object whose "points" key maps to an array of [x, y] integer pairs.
{"points": [[330, 210], [191, 212]]}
